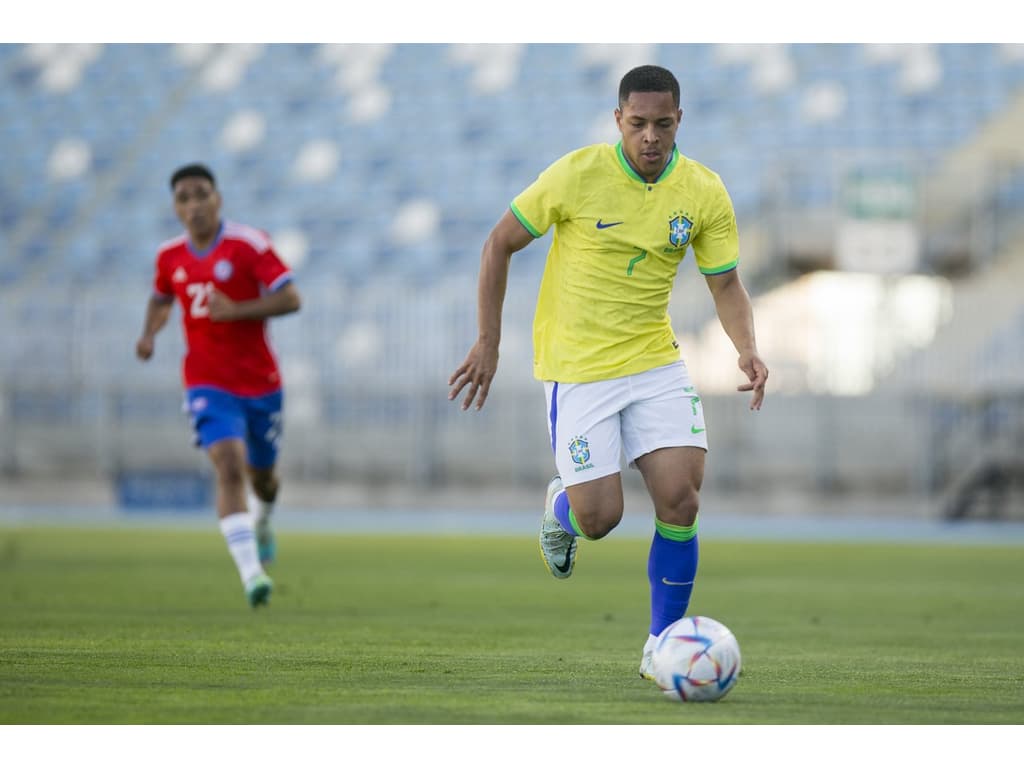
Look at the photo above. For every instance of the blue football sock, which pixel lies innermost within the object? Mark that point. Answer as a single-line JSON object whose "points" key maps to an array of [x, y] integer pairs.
{"points": [[671, 570], [565, 516]]}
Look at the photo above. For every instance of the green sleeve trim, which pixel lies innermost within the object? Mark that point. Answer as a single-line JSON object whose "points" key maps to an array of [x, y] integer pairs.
{"points": [[523, 220], [676, 532], [719, 270]]}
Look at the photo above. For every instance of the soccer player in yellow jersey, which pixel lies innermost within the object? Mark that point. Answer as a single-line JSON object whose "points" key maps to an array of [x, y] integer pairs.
{"points": [[615, 381]]}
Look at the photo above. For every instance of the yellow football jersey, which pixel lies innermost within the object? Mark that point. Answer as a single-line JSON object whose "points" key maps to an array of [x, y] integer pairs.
{"points": [[602, 308]]}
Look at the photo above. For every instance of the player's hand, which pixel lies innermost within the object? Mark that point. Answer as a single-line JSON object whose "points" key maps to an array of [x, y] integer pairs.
{"points": [[757, 373], [477, 371], [222, 309], [144, 347]]}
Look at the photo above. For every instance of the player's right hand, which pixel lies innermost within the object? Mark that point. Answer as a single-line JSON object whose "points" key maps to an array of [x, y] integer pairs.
{"points": [[477, 371], [144, 348]]}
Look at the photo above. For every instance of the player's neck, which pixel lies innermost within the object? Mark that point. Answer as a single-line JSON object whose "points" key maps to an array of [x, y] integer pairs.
{"points": [[655, 177], [202, 242]]}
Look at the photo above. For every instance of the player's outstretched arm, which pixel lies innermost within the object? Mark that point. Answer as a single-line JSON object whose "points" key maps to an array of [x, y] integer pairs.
{"points": [[732, 303], [158, 310], [481, 364]]}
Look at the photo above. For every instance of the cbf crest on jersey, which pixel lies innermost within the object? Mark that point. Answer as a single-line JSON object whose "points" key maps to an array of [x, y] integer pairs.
{"points": [[579, 450], [223, 269], [679, 227]]}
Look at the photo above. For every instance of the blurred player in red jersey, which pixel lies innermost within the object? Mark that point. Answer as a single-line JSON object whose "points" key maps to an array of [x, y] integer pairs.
{"points": [[228, 280]]}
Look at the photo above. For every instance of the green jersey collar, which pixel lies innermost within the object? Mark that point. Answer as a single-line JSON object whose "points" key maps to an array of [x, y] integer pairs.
{"points": [[631, 172]]}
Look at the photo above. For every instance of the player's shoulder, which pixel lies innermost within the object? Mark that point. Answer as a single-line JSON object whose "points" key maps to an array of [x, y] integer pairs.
{"points": [[582, 162], [692, 171], [255, 238], [590, 155], [172, 245]]}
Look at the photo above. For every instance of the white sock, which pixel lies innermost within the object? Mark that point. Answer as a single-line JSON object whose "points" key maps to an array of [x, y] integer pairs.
{"points": [[240, 535]]}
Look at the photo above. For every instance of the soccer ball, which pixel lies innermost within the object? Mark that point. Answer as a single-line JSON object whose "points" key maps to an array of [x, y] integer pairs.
{"points": [[696, 659]]}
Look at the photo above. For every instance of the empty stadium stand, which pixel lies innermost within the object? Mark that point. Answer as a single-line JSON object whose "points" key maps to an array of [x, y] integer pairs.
{"points": [[379, 170]]}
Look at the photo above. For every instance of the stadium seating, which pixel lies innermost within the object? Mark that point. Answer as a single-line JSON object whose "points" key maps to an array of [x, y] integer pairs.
{"points": [[379, 170], [335, 139], [335, 142]]}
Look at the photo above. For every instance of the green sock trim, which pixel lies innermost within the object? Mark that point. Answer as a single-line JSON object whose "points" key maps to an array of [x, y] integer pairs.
{"points": [[676, 532], [576, 526]]}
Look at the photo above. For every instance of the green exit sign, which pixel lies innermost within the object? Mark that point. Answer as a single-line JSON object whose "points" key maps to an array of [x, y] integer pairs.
{"points": [[879, 195]]}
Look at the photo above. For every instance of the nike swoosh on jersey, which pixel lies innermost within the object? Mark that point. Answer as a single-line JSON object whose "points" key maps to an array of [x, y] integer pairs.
{"points": [[601, 225], [696, 430]]}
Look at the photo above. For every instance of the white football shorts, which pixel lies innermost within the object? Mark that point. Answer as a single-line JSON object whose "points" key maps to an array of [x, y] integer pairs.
{"points": [[594, 424]]}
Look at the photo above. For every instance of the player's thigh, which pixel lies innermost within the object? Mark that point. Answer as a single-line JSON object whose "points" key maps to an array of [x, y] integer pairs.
{"points": [[584, 428], [673, 477], [666, 412], [665, 437], [264, 428], [216, 416], [228, 458]]}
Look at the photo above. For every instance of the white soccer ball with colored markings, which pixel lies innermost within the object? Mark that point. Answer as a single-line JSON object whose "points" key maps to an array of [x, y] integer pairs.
{"points": [[696, 659]]}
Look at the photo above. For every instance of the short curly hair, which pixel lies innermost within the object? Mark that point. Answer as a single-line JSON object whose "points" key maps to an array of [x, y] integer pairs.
{"points": [[192, 170], [648, 78]]}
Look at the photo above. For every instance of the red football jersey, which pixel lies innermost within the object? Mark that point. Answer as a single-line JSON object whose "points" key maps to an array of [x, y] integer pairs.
{"points": [[234, 356]]}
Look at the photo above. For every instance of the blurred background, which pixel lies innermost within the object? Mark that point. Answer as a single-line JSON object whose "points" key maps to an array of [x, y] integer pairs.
{"points": [[879, 190]]}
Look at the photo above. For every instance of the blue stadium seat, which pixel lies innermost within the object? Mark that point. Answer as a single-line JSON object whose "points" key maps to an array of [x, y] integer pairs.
{"points": [[143, 110]]}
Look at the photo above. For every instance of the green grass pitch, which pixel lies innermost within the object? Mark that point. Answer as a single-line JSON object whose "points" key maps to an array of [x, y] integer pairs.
{"points": [[151, 626]]}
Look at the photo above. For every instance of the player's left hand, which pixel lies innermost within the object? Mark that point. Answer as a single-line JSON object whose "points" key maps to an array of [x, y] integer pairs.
{"points": [[221, 307], [757, 373]]}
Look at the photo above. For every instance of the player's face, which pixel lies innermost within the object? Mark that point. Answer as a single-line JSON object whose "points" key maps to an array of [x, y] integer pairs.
{"points": [[197, 204], [648, 123]]}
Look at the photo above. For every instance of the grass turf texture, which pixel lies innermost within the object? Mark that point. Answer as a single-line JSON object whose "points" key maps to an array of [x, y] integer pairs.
{"points": [[147, 626]]}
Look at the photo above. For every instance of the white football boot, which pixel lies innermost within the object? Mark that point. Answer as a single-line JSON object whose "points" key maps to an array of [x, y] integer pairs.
{"points": [[647, 659], [557, 547]]}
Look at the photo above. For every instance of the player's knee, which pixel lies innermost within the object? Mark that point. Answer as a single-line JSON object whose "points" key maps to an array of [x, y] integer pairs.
{"points": [[601, 531], [682, 509], [266, 490], [231, 478], [265, 484], [598, 523]]}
